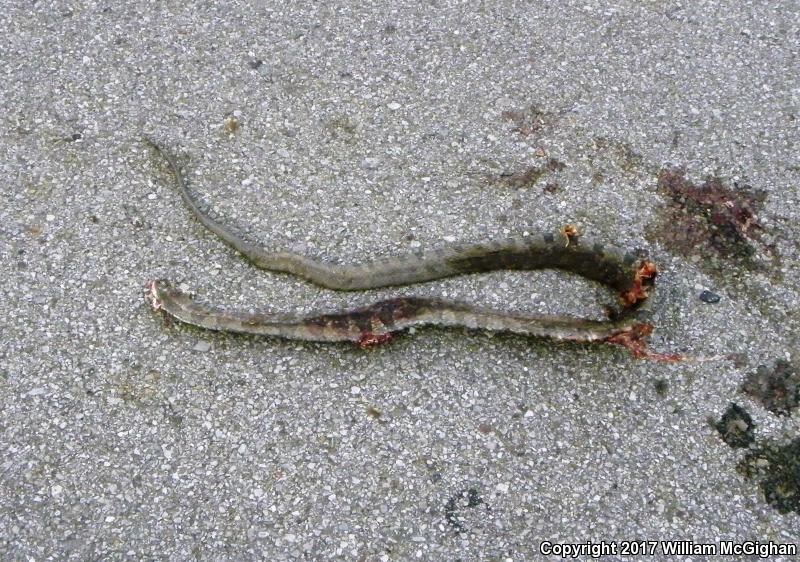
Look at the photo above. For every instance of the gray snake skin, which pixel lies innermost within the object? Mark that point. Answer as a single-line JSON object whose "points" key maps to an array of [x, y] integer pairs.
{"points": [[630, 274]]}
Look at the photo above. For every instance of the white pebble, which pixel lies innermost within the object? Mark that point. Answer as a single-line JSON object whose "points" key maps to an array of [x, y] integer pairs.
{"points": [[202, 345]]}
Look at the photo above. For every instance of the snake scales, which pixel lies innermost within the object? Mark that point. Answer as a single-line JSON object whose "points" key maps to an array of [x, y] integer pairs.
{"points": [[628, 273]]}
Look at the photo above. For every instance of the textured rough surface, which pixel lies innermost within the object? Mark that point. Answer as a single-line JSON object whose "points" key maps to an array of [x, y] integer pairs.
{"points": [[356, 132]]}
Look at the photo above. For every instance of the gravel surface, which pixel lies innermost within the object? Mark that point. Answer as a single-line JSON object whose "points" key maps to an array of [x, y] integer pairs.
{"points": [[369, 130]]}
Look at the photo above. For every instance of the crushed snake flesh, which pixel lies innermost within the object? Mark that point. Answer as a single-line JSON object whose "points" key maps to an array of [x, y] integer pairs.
{"points": [[629, 273]]}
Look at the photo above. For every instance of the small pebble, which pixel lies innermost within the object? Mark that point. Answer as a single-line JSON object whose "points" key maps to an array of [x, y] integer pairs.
{"points": [[202, 346], [709, 297], [370, 163]]}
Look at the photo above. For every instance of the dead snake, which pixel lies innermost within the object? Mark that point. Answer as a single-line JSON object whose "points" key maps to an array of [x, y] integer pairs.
{"points": [[628, 273]]}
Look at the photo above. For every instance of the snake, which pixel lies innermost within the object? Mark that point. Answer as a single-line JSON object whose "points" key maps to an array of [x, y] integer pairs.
{"points": [[630, 273]]}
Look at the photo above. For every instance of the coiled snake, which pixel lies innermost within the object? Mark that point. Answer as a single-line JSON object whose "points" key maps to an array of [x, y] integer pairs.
{"points": [[628, 273]]}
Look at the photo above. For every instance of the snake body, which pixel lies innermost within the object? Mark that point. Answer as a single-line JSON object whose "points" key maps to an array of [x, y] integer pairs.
{"points": [[629, 273]]}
